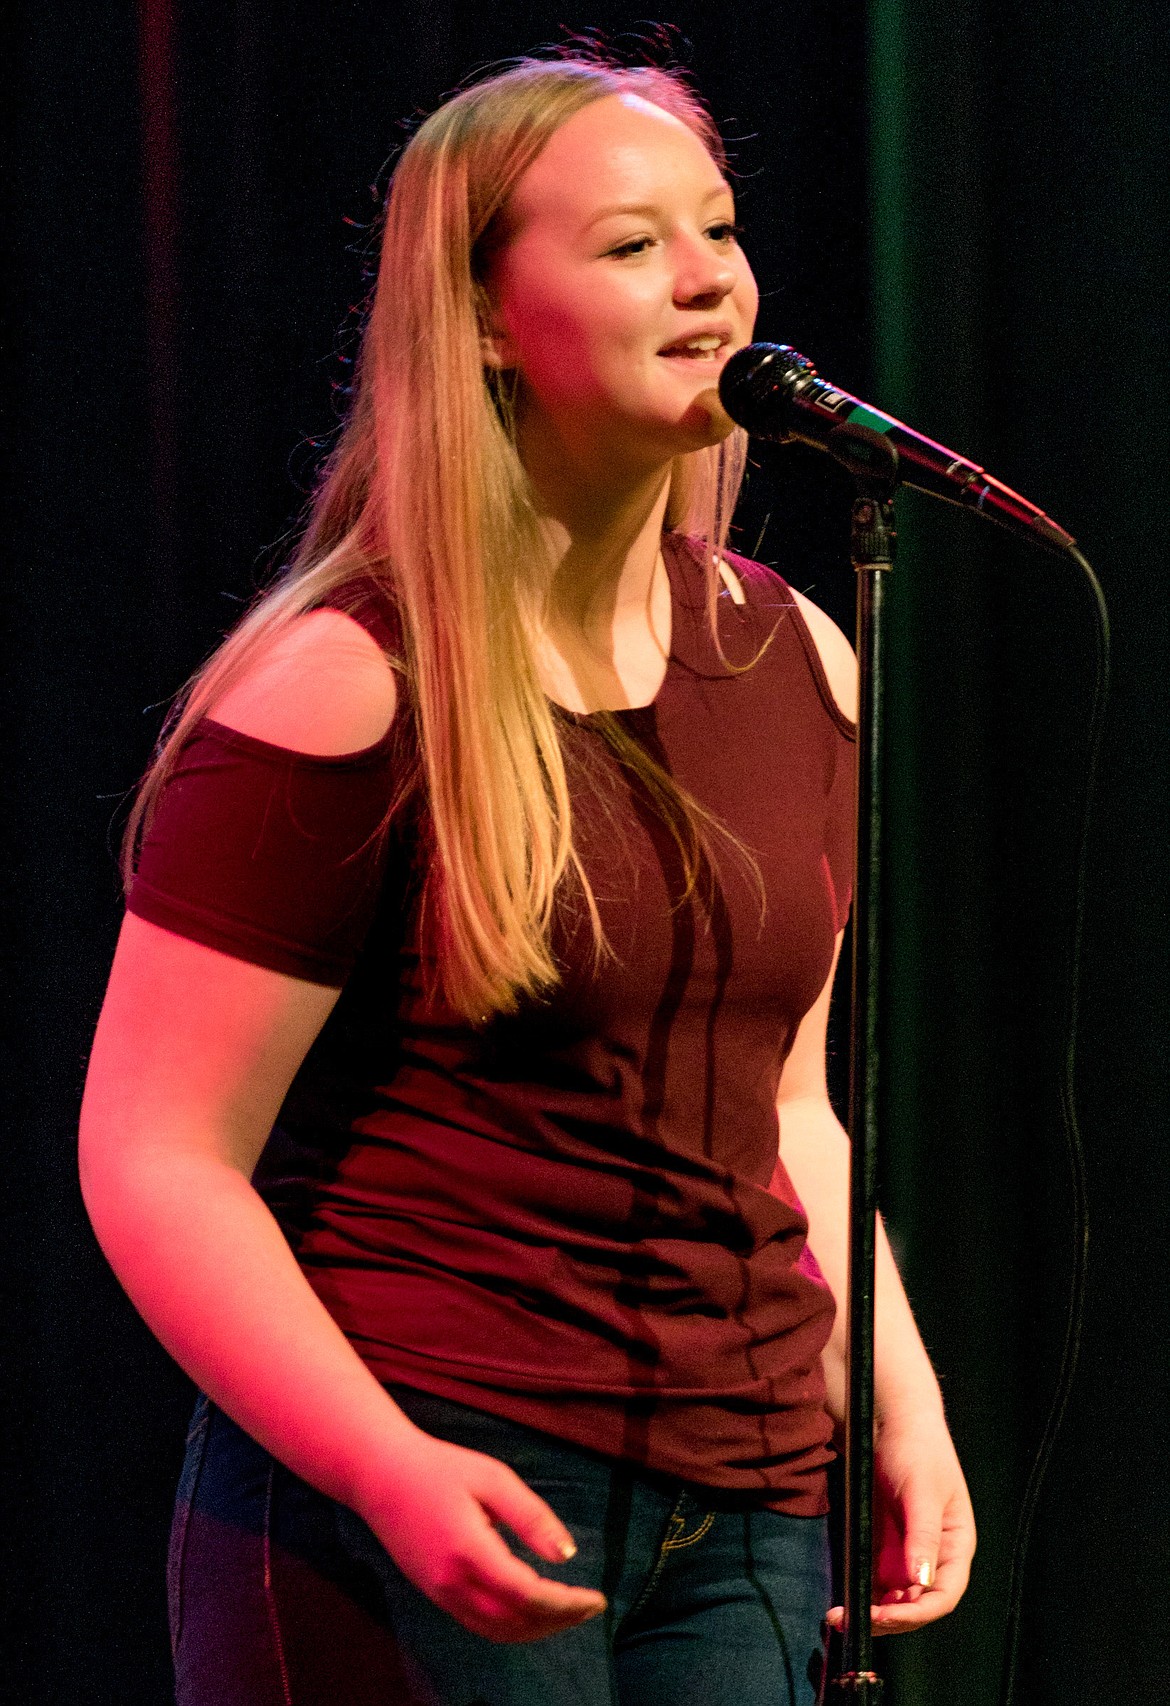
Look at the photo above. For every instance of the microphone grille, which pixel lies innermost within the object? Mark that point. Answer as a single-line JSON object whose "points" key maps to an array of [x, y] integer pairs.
{"points": [[757, 383]]}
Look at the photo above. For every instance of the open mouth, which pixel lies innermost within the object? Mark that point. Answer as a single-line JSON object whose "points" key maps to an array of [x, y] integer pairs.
{"points": [[708, 348]]}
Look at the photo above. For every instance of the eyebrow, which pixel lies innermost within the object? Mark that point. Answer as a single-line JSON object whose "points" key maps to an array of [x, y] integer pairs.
{"points": [[647, 206]]}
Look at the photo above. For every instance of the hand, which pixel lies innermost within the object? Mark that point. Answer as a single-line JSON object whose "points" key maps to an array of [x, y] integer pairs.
{"points": [[924, 1527], [435, 1515]]}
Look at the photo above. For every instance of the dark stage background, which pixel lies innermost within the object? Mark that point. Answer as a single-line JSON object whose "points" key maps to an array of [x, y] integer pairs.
{"points": [[959, 211]]}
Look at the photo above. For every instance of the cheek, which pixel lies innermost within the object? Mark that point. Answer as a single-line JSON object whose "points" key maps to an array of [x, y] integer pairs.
{"points": [[549, 334], [574, 341]]}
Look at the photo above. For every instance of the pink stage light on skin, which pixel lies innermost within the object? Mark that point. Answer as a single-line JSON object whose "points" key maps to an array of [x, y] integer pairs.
{"points": [[623, 248]]}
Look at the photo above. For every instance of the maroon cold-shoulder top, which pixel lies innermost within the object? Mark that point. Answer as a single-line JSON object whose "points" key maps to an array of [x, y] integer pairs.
{"points": [[573, 1217]]}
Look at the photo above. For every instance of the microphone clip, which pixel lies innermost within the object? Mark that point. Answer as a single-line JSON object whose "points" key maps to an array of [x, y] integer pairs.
{"points": [[873, 461]]}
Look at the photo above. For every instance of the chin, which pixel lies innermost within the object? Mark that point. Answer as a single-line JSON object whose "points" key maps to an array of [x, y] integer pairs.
{"points": [[706, 421]]}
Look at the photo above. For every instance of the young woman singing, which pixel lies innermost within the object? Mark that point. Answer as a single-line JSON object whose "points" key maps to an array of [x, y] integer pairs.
{"points": [[457, 1112]]}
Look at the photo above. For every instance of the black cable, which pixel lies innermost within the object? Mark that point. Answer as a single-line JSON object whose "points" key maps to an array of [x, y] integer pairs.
{"points": [[1076, 1163]]}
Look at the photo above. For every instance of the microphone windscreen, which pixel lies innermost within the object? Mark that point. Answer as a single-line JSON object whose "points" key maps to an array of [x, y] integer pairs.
{"points": [[756, 387]]}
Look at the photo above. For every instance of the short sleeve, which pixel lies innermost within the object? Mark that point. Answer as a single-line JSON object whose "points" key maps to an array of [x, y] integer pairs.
{"points": [[272, 856]]}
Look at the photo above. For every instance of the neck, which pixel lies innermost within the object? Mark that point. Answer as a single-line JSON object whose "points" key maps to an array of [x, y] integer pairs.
{"points": [[604, 528]]}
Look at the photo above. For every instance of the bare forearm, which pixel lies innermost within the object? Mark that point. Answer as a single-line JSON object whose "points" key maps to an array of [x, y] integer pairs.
{"points": [[815, 1151], [207, 1267]]}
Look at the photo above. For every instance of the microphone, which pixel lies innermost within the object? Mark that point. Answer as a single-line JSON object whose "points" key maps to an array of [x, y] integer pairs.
{"points": [[776, 393]]}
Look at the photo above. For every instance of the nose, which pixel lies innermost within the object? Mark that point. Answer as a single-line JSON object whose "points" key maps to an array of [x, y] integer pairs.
{"points": [[703, 277]]}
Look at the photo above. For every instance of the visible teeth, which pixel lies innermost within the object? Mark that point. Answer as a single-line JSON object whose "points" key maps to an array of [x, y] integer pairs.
{"points": [[704, 345]]}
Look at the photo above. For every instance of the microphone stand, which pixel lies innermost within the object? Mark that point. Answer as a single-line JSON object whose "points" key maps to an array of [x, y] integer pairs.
{"points": [[873, 462]]}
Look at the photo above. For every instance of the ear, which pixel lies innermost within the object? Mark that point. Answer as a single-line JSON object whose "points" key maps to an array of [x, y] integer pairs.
{"points": [[492, 353], [495, 346]]}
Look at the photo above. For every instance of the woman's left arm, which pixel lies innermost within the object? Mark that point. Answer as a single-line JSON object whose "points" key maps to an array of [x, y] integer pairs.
{"points": [[924, 1535]]}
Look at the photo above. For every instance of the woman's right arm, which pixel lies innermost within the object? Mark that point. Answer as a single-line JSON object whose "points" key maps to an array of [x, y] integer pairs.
{"points": [[192, 1056], [194, 1053]]}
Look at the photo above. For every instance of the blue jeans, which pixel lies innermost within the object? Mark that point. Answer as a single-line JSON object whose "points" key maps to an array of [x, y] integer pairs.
{"points": [[279, 1596]]}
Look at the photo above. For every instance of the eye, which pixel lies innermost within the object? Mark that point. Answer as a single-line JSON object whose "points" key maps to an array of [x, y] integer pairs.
{"points": [[633, 247], [726, 231]]}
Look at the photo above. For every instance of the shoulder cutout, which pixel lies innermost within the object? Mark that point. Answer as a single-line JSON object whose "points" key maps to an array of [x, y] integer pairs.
{"points": [[837, 655], [732, 582], [323, 686]]}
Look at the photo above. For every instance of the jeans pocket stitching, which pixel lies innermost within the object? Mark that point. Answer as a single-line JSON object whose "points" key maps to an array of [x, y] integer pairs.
{"points": [[269, 1592], [196, 1428], [200, 1416], [674, 1519], [196, 1449], [649, 1587], [677, 1542]]}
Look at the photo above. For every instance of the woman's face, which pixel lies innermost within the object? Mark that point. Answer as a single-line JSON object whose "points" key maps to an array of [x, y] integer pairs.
{"points": [[621, 248]]}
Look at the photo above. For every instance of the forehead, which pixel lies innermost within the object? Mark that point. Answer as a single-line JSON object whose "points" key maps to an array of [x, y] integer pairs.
{"points": [[618, 149]]}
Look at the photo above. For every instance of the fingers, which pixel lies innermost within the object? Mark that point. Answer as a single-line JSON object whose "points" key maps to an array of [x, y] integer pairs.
{"points": [[938, 1577], [922, 1515], [495, 1594], [510, 1500], [901, 1617], [924, 1526], [488, 1589], [899, 1610]]}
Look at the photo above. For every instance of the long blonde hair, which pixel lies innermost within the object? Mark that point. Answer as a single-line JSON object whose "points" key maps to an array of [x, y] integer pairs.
{"points": [[425, 493]]}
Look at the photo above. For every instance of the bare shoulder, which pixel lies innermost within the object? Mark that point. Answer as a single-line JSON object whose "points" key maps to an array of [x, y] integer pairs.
{"points": [[837, 656], [322, 685]]}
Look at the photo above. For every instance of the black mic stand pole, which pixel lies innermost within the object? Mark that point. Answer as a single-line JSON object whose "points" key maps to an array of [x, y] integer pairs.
{"points": [[873, 462]]}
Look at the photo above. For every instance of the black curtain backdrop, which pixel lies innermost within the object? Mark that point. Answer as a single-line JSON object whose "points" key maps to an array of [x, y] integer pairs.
{"points": [[958, 211]]}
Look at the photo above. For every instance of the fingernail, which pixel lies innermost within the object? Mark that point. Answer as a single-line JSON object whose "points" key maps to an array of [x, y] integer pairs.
{"points": [[924, 1573], [568, 1549]]}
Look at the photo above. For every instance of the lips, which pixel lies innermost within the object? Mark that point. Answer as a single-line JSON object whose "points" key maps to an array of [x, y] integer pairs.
{"points": [[706, 345]]}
